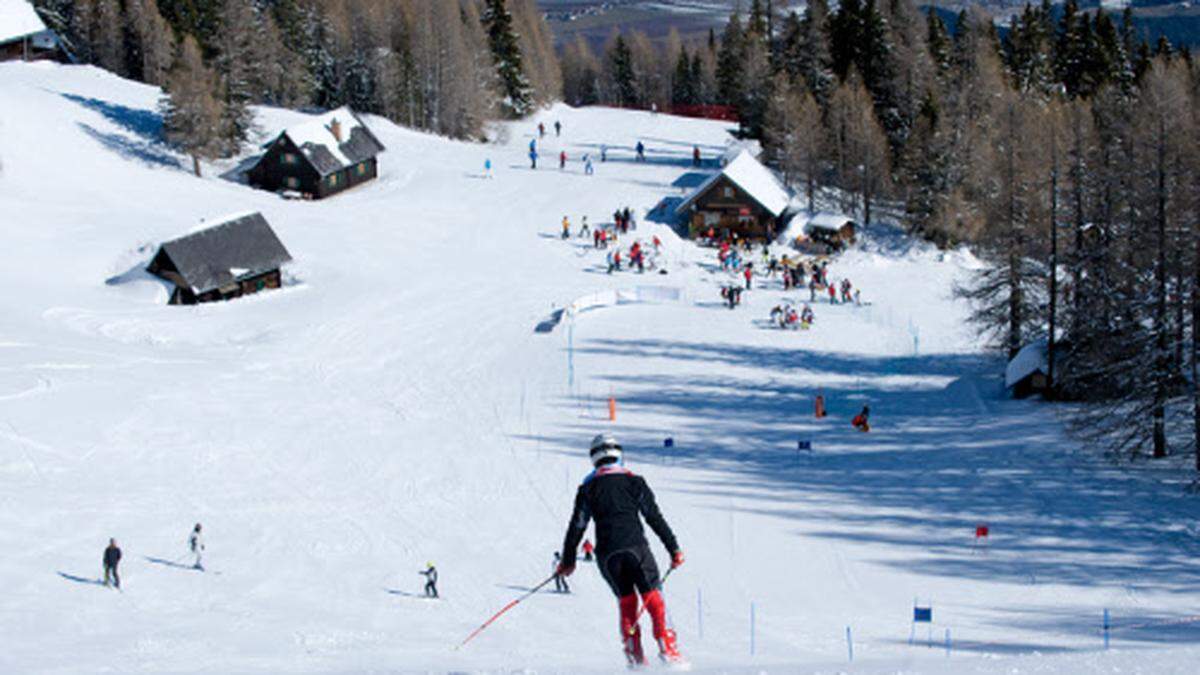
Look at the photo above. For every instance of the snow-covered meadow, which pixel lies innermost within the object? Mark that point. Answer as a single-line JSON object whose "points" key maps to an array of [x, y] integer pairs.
{"points": [[393, 405]]}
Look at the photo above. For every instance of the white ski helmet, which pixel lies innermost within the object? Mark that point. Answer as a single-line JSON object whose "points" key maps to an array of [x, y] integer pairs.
{"points": [[603, 447]]}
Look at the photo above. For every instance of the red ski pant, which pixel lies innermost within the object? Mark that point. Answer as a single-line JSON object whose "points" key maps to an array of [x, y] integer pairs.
{"points": [[655, 607]]}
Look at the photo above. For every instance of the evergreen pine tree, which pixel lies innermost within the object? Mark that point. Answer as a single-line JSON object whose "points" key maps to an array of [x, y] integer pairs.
{"points": [[506, 55], [620, 61], [815, 60], [731, 63]]}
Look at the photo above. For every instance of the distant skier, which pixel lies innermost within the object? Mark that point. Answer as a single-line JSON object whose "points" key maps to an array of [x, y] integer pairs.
{"points": [[587, 550], [541, 130], [487, 168], [641, 152], [603, 152], [589, 169], [861, 420], [748, 274], [566, 228], [196, 545], [615, 498], [695, 155], [560, 582], [112, 558], [557, 128], [819, 406], [584, 229], [431, 578], [562, 160], [533, 159]]}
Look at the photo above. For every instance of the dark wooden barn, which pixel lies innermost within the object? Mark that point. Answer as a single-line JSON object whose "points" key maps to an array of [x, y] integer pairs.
{"points": [[23, 36], [319, 158], [235, 257], [744, 198], [825, 232]]}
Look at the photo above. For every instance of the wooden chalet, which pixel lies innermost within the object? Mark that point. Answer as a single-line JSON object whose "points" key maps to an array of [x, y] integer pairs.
{"points": [[319, 158], [235, 257], [745, 198], [826, 232], [1027, 372], [23, 36]]}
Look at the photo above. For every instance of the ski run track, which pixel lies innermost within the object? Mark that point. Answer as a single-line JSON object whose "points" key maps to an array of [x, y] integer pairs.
{"points": [[393, 405]]}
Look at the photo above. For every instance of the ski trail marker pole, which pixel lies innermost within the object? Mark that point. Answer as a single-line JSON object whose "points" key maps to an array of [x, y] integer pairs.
{"points": [[642, 609], [507, 607]]}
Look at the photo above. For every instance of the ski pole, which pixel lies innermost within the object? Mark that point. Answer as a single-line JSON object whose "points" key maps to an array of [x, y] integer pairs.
{"points": [[642, 609], [507, 607]]}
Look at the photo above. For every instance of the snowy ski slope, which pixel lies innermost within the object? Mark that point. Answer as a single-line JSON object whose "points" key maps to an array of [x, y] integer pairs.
{"points": [[393, 405]]}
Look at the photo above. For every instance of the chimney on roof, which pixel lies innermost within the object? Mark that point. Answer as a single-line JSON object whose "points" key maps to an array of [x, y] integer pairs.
{"points": [[335, 128]]}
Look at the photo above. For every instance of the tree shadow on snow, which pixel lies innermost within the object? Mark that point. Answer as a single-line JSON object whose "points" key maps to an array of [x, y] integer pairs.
{"points": [[947, 451], [147, 124], [140, 150]]}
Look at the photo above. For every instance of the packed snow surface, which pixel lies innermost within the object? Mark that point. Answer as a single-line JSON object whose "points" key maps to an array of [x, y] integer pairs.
{"points": [[392, 405]]}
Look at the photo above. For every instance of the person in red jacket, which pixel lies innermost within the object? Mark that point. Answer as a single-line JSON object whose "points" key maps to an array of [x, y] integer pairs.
{"points": [[861, 421], [562, 160], [748, 273], [587, 550], [618, 501]]}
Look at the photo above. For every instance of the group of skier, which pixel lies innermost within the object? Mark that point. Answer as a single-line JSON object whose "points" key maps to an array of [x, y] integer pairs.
{"points": [[786, 316], [111, 559]]}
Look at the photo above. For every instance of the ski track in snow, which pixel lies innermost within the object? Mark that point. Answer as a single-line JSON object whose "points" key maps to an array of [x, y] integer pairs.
{"points": [[392, 405]]}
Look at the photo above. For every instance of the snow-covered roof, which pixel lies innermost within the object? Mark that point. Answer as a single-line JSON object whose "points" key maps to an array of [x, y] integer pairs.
{"points": [[226, 251], [18, 20], [827, 221], [751, 176], [324, 151], [1031, 359]]}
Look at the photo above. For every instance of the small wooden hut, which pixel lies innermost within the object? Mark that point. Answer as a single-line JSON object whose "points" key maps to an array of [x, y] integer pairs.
{"points": [[237, 256], [23, 36]]}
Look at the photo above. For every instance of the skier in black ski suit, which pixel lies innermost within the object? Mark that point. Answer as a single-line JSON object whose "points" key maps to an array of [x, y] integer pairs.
{"points": [[431, 577], [112, 557], [560, 582], [617, 500]]}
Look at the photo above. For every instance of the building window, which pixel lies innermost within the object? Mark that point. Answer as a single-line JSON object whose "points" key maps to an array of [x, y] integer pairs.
{"points": [[361, 169], [292, 182], [289, 159], [728, 192], [712, 219], [333, 180]]}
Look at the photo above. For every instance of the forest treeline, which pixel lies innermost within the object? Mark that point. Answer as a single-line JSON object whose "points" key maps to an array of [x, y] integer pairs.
{"points": [[1063, 150], [445, 66]]}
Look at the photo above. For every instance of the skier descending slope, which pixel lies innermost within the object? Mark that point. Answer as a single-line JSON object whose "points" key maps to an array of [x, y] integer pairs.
{"points": [[431, 579], [196, 544], [615, 497]]}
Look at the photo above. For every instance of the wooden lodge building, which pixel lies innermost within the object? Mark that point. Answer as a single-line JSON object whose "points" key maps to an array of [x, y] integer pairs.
{"points": [[826, 232], [745, 198], [235, 257], [23, 36], [319, 158]]}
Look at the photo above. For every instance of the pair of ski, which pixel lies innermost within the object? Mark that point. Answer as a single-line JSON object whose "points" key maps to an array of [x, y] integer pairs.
{"points": [[677, 665]]}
